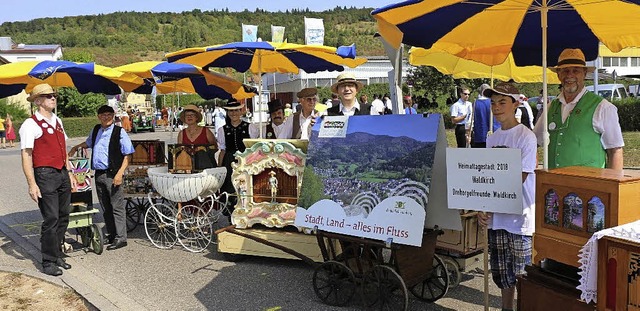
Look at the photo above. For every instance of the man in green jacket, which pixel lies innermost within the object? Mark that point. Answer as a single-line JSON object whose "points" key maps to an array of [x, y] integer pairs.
{"points": [[583, 127]]}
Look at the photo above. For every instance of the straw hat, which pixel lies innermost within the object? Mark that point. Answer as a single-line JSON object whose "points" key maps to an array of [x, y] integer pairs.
{"points": [[193, 108], [233, 106], [346, 77], [506, 89], [572, 58], [40, 89]]}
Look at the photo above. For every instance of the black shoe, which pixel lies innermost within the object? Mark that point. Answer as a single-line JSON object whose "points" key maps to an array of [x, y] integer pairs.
{"points": [[116, 244], [51, 269], [109, 240], [63, 264]]}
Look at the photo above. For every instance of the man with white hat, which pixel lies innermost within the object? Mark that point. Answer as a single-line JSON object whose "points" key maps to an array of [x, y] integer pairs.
{"points": [[46, 166], [581, 120], [347, 88]]}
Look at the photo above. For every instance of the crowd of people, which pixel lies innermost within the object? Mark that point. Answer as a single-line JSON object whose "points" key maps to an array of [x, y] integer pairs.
{"points": [[577, 120]]}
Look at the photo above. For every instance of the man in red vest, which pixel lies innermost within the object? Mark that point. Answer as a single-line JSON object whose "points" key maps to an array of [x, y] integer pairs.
{"points": [[46, 167]]}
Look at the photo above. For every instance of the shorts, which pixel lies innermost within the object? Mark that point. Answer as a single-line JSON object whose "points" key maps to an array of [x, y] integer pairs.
{"points": [[510, 253], [3, 134]]}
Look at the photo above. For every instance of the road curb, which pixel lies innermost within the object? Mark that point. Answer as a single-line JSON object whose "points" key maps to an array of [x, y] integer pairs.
{"points": [[92, 300]]}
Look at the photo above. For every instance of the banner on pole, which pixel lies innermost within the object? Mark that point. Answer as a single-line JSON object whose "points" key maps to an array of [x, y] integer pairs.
{"points": [[249, 33], [277, 34], [314, 31]]}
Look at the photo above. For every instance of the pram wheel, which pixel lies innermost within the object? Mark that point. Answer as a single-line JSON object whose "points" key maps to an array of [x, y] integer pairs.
{"points": [[435, 286], [334, 283], [92, 236], [159, 222]]}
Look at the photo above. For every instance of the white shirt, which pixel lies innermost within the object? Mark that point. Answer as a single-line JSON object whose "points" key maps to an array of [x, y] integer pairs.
{"points": [[282, 131], [30, 130], [461, 108], [605, 122], [527, 107], [349, 112], [522, 138], [305, 123], [377, 107]]}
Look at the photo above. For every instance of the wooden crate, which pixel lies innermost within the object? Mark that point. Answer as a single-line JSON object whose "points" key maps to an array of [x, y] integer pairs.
{"points": [[303, 243], [618, 274], [148, 152], [466, 242], [574, 202], [188, 159]]}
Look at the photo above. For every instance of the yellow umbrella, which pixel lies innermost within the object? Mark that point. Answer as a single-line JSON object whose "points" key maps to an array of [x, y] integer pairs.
{"points": [[173, 77], [459, 67], [85, 77]]}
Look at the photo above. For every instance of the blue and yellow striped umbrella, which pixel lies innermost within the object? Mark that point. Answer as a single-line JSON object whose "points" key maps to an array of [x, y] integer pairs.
{"points": [[85, 77], [488, 30], [270, 57], [174, 77]]}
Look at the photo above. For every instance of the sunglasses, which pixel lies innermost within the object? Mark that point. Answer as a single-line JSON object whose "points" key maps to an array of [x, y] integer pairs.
{"points": [[48, 96], [465, 93]]}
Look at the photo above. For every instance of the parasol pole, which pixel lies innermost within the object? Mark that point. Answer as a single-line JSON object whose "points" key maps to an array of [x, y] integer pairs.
{"points": [[545, 134], [259, 92], [490, 111]]}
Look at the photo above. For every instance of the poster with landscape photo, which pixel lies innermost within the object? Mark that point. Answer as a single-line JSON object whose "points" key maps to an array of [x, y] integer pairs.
{"points": [[381, 158]]}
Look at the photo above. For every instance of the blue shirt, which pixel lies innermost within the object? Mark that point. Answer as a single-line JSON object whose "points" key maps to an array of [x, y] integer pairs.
{"points": [[100, 152], [481, 115], [410, 110]]}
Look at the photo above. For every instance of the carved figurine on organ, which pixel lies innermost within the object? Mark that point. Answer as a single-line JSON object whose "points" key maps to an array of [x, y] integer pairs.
{"points": [[268, 177]]}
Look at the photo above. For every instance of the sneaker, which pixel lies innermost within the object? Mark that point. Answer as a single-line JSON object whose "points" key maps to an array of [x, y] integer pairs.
{"points": [[51, 269]]}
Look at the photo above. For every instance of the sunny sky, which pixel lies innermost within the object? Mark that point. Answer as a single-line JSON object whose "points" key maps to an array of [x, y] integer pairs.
{"points": [[24, 10]]}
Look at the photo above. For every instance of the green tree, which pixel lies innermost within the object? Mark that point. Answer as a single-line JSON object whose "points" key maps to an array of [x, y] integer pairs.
{"points": [[312, 188], [73, 104]]}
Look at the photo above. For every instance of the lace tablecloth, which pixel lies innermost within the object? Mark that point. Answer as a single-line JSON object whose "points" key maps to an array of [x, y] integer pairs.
{"points": [[589, 257]]}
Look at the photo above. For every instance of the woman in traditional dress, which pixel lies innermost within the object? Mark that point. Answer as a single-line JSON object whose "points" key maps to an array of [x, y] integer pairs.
{"points": [[230, 138]]}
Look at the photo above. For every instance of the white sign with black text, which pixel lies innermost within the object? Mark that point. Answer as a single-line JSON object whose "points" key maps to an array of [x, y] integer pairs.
{"points": [[488, 180]]}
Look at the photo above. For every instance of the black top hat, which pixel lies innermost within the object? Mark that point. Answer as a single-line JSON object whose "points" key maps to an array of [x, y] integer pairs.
{"points": [[275, 105]]}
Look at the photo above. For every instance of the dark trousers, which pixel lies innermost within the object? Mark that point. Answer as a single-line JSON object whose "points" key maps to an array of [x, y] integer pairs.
{"points": [[461, 139], [112, 201], [54, 205], [478, 145]]}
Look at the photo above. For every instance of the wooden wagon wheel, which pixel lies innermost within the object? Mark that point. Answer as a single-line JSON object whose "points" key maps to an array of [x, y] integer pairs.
{"points": [[334, 283], [384, 289], [435, 286]]}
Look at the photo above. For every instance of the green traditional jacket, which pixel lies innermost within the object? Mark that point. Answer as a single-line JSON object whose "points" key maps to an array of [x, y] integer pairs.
{"points": [[575, 142]]}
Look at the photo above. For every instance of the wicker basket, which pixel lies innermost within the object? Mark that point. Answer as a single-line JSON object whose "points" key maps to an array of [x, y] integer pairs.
{"points": [[185, 187]]}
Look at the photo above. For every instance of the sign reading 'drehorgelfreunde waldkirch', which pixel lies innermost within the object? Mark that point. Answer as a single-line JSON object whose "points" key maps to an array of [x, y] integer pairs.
{"points": [[488, 180]]}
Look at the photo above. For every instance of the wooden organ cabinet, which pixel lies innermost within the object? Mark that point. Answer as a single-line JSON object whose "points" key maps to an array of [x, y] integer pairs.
{"points": [[574, 202], [267, 179]]}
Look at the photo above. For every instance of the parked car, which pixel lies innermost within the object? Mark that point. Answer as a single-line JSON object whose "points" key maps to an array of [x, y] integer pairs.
{"points": [[610, 91], [143, 122]]}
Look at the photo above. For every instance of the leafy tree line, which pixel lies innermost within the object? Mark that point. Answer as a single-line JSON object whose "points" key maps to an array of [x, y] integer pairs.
{"points": [[145, 32]]}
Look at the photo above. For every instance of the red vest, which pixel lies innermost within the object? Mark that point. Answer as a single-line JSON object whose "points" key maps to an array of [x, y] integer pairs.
{"points": [[50, 149]]}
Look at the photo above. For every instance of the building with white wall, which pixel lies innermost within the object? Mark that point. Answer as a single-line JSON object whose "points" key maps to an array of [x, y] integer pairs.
{"points": [[375, 70]]}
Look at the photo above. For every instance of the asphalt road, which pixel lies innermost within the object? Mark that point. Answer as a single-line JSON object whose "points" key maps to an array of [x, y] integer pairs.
{"points": [[142, 277]]}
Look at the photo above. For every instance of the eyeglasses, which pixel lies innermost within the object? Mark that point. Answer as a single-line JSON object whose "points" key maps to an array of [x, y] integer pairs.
{"points": [[190, 115], [311, 99], [48, 96], [465, 93]]}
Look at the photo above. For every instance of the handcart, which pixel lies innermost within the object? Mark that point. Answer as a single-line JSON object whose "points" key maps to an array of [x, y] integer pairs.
{"points": [[82, 211], [462, 251], [382, 273], [189, 224]]}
